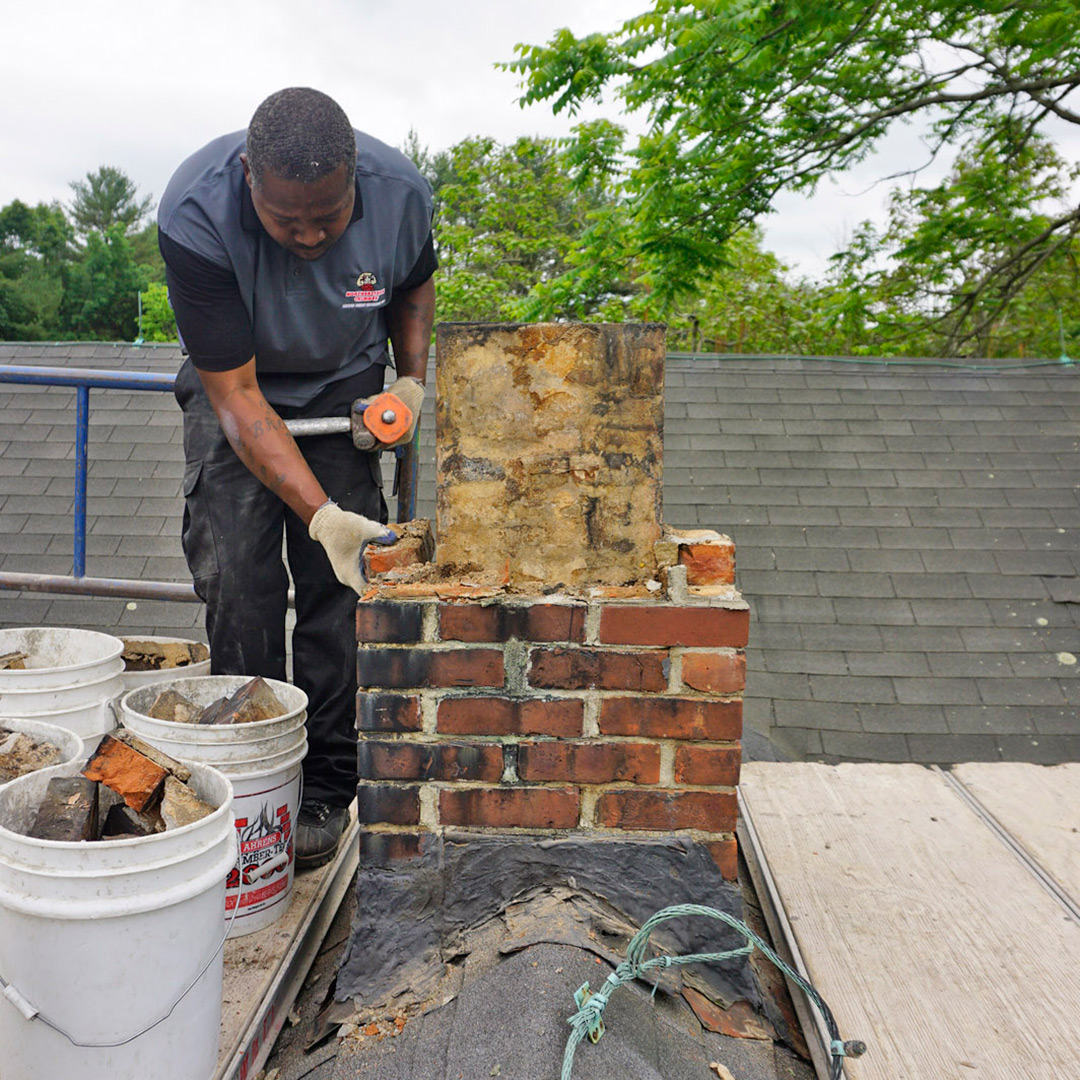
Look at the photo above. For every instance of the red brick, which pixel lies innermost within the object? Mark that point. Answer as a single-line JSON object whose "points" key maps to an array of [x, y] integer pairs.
{"points": [[599, 669], [725, 854], [655, 624], [429, 667], [714, 672], [589, 762], [408, 760], [387, 804], [382, 848], [409, 550], [560, 717], [672, 718], [711, 563], [130, 774], [389, 622], [707, 766], [387, 712], [665, 811], [501, 622], [510, 808]]}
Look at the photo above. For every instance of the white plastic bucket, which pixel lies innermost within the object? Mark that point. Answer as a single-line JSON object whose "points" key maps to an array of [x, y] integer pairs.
{"points": [[132, 680], [105, 938], [263, 761], [71, 677], [69, 744]]}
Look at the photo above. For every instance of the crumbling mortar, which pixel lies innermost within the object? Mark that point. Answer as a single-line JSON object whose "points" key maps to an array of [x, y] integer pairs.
{"points": [[429, 707], [516, 667], [430, 623], [667, 764], [592, 624], [590, 723]]}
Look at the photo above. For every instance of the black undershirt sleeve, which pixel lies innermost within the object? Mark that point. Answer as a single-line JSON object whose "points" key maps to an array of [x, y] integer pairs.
{"points": [[425, 265], [210, 314]]}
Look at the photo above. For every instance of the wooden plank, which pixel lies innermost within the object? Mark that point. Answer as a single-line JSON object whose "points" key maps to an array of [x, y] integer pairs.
{"points": [[1040, 807], [264, 971], [926, 935]]}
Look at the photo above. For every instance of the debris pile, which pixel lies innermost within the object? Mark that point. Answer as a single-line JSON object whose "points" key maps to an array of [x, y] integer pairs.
{"points": [[21, 753], [139, 655], [251, 702], [128, 790]]}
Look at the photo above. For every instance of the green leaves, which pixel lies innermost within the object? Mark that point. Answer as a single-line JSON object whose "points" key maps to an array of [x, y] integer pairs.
{"points": [[747, 98]]}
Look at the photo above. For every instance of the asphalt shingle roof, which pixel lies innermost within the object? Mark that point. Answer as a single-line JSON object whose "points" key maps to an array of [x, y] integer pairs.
{"points": [[906, 535]]}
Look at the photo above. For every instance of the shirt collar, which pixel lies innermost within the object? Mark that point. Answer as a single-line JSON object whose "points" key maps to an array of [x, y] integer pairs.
{"points": [[249, 220]]}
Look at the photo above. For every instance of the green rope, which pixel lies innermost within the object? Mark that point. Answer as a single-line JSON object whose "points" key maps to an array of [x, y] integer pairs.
{"points": [[588, 1020]]}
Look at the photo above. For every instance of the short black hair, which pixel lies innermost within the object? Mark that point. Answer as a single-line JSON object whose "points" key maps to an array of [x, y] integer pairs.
{"points": [[299, 134]]}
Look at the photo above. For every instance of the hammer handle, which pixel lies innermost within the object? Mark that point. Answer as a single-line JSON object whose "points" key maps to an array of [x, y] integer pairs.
{"points": [[327, 425]]}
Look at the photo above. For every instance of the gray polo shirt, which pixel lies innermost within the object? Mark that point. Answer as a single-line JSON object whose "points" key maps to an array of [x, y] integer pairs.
{"points": [[236, 293]]}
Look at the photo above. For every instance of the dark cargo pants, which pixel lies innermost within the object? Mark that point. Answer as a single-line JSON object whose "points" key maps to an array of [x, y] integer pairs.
{"points": [[232, 539]]}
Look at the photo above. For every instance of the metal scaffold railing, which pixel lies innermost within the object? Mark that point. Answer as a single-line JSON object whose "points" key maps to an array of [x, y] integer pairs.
{"points": [[83, 380]]}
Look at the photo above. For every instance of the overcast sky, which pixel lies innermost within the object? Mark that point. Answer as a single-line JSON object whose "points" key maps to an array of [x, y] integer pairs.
{"points": [[141, 85]]}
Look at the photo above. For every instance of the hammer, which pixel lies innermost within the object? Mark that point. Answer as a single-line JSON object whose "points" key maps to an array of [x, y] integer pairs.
{"points": [[381, 420]]}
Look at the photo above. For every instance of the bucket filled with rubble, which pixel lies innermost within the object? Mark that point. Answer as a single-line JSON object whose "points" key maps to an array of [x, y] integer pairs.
{"points": [[61, 676], [112, 881], [253, 731], [27, 745], [160, 659]]}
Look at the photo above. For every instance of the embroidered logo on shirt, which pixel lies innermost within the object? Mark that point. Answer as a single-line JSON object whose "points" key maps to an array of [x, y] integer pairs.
{"points": [[365, 294]]}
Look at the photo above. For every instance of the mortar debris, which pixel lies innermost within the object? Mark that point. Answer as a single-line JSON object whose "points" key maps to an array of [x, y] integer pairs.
{"points": [[252, 702], [22, 754], [121, 794], [139, 655]]}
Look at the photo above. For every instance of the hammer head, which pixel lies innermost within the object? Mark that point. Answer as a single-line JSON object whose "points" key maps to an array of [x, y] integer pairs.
{"points": [[383, 419]]}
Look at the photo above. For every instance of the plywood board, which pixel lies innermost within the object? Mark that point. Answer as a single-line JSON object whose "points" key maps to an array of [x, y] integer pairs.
{"points": [[1040, 807], [928, 937]]}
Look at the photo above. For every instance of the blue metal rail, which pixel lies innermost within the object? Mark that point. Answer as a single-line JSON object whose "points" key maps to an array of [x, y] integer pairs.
{"points": [[83, 380]]}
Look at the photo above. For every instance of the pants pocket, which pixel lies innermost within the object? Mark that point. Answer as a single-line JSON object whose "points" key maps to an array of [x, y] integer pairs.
{"points": [[197, 533]]}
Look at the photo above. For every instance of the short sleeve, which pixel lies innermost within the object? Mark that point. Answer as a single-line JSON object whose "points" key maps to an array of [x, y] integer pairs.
{"points": [[214, 324]]}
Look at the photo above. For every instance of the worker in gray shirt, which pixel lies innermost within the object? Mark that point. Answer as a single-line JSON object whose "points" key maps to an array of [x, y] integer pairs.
{"points": [[294, 252]]}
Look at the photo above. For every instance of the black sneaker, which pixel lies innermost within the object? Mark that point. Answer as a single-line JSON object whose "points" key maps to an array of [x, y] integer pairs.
{"points": [[318, 832]]}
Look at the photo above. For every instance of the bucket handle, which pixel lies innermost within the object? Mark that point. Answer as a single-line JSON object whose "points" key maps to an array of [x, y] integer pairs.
{"points": [[31, 1012]]}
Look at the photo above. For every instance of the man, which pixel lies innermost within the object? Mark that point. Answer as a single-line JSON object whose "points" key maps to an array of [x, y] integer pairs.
{"points": [[293, 252]]}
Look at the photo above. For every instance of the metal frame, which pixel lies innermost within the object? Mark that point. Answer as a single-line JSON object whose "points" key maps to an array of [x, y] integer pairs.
{"points": [[83, 380]]}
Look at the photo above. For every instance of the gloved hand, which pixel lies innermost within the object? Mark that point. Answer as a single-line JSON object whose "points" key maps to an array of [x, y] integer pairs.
{"points": [[344, 536], [411, 392]]}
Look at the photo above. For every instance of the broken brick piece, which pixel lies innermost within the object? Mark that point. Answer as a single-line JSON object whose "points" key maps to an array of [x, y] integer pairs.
{"points": [[180, 805], [252, 702], [68, 812], [172, 705], [123, 822], [129, 773], [169, 764], [21, 754]]}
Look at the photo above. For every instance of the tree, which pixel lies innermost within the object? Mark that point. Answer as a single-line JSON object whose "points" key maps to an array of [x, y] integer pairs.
{"points": [[508, 219], [963, 267], [34, 244], [158, 321], [101, 291], [106, 198], [748, 98]]}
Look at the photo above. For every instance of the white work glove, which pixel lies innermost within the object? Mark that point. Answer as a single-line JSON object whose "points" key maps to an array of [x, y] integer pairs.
{"points": [[411, 393], [344, 536]]}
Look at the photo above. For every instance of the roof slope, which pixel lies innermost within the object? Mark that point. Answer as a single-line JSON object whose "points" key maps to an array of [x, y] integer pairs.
{"points": [[906, 535]]}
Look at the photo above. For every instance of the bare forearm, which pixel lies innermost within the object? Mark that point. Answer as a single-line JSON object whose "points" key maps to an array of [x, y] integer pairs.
{"points": [[262, 442], [410, 316]]}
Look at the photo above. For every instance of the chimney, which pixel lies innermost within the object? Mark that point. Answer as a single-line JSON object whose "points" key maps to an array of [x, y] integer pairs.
{"points": [[556, 698]]}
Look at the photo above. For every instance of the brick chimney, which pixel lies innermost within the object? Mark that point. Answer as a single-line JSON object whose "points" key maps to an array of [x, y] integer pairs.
{"points": [[558, 695]]}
